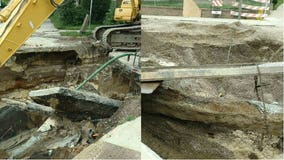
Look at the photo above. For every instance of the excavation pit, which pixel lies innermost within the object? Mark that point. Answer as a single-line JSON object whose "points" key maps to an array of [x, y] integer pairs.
{"points": [[34, 128], [212, 117]]}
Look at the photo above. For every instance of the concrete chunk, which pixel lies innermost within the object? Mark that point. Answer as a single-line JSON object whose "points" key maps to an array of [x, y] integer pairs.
{"points": [[75, 102], [213, 71], [40, 108], [31, 107], [13, 120]]}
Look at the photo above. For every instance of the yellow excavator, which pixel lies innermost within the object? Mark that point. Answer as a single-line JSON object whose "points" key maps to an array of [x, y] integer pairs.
{"points": [[21, 18], [126, 36]]}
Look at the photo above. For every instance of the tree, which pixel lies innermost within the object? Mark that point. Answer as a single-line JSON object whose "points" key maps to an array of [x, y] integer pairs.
{"points": [[109, 18], [4, 3], [100, 8], [71, 14]]}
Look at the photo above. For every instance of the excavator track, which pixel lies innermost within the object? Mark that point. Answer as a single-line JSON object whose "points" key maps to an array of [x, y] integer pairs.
{"points": [[118, 37], [99, 31]]}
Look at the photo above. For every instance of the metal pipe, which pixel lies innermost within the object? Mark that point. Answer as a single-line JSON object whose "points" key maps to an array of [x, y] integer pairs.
{"points": [[91, 10], [240, 9]]}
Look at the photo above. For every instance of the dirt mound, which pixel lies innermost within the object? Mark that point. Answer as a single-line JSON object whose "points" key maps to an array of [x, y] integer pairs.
{"points": [[206, 44]]}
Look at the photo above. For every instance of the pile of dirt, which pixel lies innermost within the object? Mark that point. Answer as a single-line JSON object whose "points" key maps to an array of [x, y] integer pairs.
{"points": [[196, 44]]}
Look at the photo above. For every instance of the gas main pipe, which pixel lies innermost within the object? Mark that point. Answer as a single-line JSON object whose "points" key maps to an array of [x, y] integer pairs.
{"points": [[103, 67]]}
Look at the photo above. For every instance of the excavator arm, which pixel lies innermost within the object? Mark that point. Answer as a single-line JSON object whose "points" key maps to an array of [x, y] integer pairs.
{"points": [[19, 20]]}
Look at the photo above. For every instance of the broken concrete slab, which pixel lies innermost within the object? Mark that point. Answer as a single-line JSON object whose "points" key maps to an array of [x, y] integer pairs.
{"points": [[22, 137], [13, 120], [76, 102], [45, 138], [149, 88], [47, 39], [31, 107], [40, 109], [210, 71]]}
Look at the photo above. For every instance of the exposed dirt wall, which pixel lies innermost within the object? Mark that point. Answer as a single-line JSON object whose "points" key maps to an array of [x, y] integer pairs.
{"points": [[224, 103]]}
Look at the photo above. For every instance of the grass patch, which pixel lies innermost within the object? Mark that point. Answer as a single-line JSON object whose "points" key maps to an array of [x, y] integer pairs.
{"points": [[162, 4], [127, 119], [279, 2], [130, 118], [75, 34], [253, 3], [58, 24]]}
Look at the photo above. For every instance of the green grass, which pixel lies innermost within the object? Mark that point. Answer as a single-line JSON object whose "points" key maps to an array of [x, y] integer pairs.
{"points": [[279, 2], [127, 119], [58, 24], [130, 118], [252, 3], [162, 4], [75, 34]]}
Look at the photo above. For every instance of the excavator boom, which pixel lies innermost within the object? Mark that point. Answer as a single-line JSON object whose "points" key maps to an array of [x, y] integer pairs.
{"points": [[20, 19]]}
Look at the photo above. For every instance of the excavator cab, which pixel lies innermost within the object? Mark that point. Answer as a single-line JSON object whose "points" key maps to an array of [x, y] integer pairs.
{"points": [[129, 11]]}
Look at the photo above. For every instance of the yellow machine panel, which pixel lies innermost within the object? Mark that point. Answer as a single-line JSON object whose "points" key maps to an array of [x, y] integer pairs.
{"points": [[22, 18], [129, 11]]}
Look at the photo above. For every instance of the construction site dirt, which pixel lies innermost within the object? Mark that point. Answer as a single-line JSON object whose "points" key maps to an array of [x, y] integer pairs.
{"points": [[43, 131], [212, 117], [141, 79]]}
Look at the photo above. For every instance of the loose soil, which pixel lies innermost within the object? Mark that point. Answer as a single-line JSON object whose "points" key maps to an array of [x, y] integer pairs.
{"points": [[217, 102]]}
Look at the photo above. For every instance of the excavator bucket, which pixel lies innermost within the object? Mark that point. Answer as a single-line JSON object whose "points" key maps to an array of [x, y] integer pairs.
{"points": [[20, 19]]}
